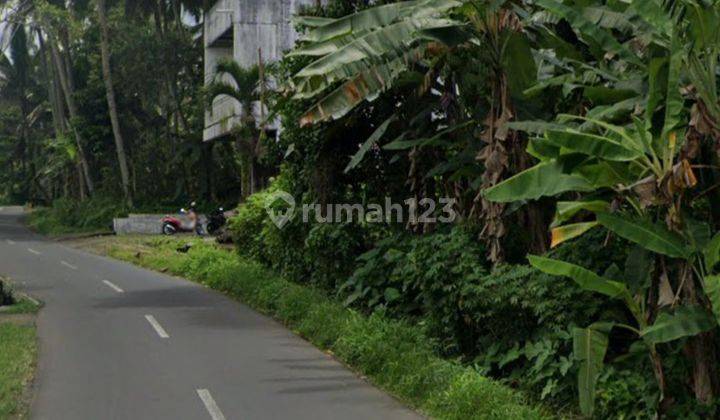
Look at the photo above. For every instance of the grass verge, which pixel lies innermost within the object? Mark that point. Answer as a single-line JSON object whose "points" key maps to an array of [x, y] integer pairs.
{"points": [[66, 216], [392, 354], [44, 221], [18, 353]]}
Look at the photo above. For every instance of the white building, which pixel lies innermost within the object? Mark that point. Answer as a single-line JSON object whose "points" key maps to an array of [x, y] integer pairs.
{"points": [[244, 30]]}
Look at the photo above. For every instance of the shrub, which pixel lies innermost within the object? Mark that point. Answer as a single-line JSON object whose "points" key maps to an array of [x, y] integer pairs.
{"points": [[331, 251], [247, 226], [422, 277], [323, 254], [6, 295], [68, 215]]}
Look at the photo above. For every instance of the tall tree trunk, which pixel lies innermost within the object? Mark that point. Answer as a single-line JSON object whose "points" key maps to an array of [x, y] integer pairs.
{"points": [[112, 104], [49, 76], [81, 184], [68, 92]]}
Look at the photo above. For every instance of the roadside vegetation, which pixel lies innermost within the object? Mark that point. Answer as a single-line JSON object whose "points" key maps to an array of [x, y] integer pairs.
{"points": [[577, 142], [394, 355], [94, 215], [18, 353], [70, 216]]}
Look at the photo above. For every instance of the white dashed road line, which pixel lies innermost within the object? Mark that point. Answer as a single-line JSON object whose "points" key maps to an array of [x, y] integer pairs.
{"points": [[112, 286], [10, 242], [68, 265], [32, 251], [210, 404], [156, 325]]}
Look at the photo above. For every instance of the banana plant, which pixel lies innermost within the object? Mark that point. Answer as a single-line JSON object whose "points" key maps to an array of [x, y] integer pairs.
{"points": [[637, 183], [358, 56]]}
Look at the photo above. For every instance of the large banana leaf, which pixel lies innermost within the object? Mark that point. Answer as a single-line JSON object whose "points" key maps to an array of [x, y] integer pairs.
{"points": [[687, 321], [653, 237], [568, 209], [311, 21], [382, 46], [606, 174], [592, 145], [368, 19], [654, 15], [374, 137], [541, 149], [567, 232], [608, 19], [376, 17], [611, 112], [438, 138], [534, 127], [583, 277], [712, 253], [657, 82], [318, 49], [518, 63], [542, 180], [674, 100], [712, 290], [589, 347], [366, 86], [588, 30]]}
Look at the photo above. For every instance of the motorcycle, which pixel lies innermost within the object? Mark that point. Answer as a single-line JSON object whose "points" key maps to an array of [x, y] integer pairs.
{"points": [[216, 220], [172, 225]]}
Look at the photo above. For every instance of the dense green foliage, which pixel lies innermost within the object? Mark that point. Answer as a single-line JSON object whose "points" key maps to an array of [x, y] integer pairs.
{"points": [[393, 354], [68, 216], [157, 72], [581, 134], [465, 110]]}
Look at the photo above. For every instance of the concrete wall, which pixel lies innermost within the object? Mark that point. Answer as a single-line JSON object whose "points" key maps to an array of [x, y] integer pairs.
{"points": [[138, 224], [239, 28], [147, 224]]}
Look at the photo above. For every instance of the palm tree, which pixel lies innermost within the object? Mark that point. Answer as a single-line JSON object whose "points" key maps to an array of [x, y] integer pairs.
{"points": [[51, 16], [112, 104], [244, 88]]}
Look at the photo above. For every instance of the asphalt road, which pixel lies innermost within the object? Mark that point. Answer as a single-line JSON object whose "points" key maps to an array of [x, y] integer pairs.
{"points": [[121, 342]]}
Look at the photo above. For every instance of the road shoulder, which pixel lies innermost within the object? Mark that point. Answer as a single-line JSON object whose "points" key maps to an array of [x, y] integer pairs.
{"points": [[18, 357], [392, 355]]}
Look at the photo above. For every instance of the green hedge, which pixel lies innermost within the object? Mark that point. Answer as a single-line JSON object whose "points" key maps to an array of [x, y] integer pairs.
{"points": [[394, 355], [71, 216]]}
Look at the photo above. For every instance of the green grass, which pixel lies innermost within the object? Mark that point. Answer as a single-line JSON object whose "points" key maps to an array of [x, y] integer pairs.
{"points": [[22, 306], [67, 216], [18, 352], [46, 222], [394, 355], [17, 360]]}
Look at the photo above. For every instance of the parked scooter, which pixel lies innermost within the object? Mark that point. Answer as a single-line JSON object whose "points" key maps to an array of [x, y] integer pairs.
{"points": [[172, 225], [216, 220]]}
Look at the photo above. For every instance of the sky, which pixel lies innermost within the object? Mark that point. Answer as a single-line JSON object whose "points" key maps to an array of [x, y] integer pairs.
{"points": [[5, 35]]}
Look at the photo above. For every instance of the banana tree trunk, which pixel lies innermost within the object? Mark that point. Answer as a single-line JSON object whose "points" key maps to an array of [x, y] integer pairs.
{"points": [[112, 104], [701, 350]]}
